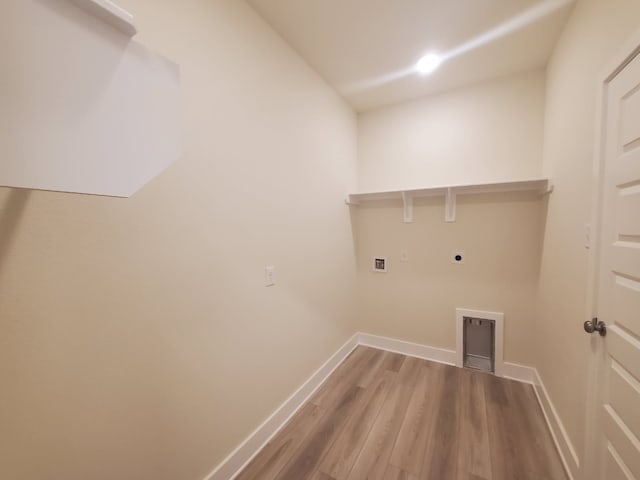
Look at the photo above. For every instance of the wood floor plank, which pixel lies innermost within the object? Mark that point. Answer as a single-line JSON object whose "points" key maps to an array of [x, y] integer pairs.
{"points": [[374, 456], [340, 459], [280, 450], [509, 441], [343, 378], [441, 459], [393, 361], [525, 420], [411, 443], [502, 450], [494, 390], [543, 461], [474, 457], [308, 455], [522, 432], [471, 476], [395, 473], [385, 416], [373, 370], [408, 374], [321, 476]]}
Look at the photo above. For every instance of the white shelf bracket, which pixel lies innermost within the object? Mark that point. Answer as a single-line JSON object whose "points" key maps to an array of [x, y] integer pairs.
{"points": [[548, 190], [111, 13], [450, 206], [407, 201]]}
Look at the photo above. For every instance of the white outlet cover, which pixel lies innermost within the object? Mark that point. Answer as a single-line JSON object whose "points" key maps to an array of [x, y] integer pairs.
{"points": [[269, 276], [456, 255], [587, 235]]}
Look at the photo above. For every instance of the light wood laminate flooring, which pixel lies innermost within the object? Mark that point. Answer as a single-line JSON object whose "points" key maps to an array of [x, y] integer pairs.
{"points": [[382, 415]]}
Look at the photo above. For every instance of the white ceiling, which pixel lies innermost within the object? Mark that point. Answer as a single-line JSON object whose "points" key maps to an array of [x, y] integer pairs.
{"points": [[366, 48]]}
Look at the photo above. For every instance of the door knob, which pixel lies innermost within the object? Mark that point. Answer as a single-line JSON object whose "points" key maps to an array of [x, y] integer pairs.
{"points": [[594, 325]]}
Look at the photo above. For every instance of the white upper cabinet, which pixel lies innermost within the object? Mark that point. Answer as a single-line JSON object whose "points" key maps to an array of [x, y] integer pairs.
{"points": [[85, 109]]}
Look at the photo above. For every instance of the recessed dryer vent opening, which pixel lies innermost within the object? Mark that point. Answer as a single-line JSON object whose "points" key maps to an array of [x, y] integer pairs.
{"points": [[479, 343], [479, 340]]}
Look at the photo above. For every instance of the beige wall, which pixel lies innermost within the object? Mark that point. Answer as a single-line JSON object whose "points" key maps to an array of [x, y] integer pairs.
{"points": [[137, 340], [70, 91], [595, 31], [415, 300], [488, 132]]}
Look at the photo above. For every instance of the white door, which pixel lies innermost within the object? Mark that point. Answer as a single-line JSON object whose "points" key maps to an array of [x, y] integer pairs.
{"points": [[617, 441]]}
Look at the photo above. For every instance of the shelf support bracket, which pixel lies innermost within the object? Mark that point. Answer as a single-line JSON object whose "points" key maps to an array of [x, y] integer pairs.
{"points": [[407, 201], [450, 206], [548, 190]]}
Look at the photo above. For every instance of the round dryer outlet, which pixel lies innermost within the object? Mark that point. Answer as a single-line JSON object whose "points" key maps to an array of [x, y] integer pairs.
{"points": [[457, 257]]}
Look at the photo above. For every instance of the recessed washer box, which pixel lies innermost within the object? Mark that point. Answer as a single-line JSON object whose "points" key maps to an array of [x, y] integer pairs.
{"points": [[380, 264]]}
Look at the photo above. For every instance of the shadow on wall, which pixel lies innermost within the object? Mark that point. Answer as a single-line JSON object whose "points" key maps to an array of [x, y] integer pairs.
{"points": [[353, 222], [11, 212], [543, 230]]}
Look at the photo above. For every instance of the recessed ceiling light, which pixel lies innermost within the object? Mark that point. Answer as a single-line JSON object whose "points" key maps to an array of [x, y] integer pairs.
{"points": [[428, 64]]}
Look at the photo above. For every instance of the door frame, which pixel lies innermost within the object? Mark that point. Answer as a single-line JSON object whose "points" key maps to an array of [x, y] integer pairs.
{"points": [[591, 463]]}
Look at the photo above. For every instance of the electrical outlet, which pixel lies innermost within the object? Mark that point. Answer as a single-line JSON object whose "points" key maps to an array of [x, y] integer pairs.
{"points": [[457, 257], [269, 276], [587, 235]]}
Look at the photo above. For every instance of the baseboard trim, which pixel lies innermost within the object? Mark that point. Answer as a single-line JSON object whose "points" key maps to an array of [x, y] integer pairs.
{"points": [[518, 372], [434, 354], [249, 448], [558, 432]]}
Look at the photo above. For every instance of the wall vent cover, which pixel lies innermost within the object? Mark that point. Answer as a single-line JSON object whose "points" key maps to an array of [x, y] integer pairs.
{"points": [[479, 340], [479, 343]]}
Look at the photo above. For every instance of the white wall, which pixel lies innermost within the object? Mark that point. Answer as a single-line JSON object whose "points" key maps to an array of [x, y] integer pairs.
{"points": [[595, 31], [488, 132], [137, 339]]}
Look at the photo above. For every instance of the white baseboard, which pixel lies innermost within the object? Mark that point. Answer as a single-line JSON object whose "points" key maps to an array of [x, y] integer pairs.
{"points": [[241, 456], [512, 371], [560, 437], [434, 354], [518, 372]]}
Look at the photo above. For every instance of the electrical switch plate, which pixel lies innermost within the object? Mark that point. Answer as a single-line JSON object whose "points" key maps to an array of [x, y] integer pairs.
{"points": [[269, 276], [457, 257], [404, 256]]}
